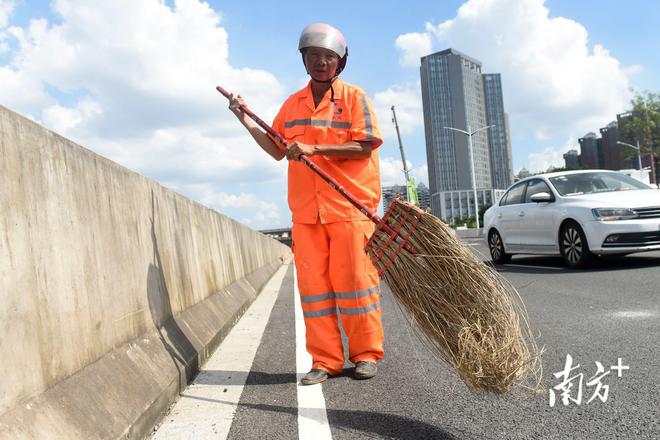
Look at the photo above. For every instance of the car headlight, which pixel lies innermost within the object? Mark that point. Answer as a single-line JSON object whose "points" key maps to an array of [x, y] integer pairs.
{"points": [[609, 214]]}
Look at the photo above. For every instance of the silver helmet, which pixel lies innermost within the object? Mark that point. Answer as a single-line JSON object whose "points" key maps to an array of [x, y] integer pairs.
{"points": [[323, 35]]}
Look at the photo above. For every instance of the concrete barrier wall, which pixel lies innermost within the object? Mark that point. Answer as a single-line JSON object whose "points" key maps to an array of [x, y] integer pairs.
{"points": [[94, 257]]}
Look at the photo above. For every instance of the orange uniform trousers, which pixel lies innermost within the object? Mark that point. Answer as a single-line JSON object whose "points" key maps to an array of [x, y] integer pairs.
{"points": [[335, 275]]}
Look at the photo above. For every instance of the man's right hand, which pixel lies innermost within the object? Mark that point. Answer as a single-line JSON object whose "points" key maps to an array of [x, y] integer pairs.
{"points": [[235, 103]]}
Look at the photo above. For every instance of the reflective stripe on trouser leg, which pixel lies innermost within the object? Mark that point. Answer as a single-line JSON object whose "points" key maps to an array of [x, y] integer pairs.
{"points": [[311, 250], [356, 285]]}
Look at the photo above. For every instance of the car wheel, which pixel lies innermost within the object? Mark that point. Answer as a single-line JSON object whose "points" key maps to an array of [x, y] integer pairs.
{"points": [[496, 247], [574, 247]]}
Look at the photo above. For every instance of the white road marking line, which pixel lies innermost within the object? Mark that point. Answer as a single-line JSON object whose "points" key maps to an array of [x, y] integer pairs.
{"points": [[312, 415], [635, 314], [207, 407]]}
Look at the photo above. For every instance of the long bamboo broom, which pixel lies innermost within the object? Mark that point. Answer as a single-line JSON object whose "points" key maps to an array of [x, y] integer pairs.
{"points": [[470, 317]]}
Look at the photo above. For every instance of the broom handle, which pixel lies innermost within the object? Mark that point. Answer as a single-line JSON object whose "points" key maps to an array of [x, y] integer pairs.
{"points": [[332, 182]]}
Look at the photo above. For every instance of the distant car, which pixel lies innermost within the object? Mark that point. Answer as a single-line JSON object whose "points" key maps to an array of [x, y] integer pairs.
{"points": [[575, 214]]}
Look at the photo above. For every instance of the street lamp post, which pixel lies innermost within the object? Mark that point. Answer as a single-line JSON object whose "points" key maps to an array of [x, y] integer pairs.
{"points": [[469, 134], [639, 157]]}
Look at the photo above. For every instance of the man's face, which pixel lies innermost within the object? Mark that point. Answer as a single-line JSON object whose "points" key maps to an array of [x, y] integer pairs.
{"points": [[321, 63]]}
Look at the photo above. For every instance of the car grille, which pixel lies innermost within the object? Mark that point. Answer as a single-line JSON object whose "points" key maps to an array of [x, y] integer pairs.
{"points": [[632, 239], [651, 212]]}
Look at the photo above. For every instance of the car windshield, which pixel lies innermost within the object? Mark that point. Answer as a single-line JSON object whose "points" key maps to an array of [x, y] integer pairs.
{"points": [[596, 182]]}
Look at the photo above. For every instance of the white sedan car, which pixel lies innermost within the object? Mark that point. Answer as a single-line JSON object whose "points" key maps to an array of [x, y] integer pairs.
{"points": [[575, 214]]}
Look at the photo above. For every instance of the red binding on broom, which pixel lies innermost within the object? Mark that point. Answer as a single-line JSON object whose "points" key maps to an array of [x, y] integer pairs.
{"points": [[396, 235]]}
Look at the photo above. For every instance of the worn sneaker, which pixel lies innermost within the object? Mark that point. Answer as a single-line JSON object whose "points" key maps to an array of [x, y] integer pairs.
{"points": [[314, 376], [365, 370]]}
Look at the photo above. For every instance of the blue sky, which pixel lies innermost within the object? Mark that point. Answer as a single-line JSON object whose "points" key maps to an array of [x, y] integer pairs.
{"points": [[138, 87]]}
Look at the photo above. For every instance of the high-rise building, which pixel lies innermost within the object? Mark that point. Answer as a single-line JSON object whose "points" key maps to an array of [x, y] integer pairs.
{"points": [[392, 192], [605, 152], [499, 140], [572, 159], [589, 151], [424, 196], [614, 155], [456, 94], [453, 96]]}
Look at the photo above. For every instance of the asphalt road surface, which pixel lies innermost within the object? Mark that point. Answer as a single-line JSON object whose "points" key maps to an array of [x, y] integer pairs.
{"points": [[606, 313]]}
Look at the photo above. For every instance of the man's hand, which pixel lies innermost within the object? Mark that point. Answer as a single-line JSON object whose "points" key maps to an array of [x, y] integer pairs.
{"points": [[296, 149], [235, 102]]}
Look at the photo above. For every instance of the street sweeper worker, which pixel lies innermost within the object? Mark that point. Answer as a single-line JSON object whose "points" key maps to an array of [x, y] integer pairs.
{"points": [[332, 123]]}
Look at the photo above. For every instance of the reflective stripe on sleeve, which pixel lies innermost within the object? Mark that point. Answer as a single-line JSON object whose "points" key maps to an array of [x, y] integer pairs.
{"points": [[368, 126], [317, 123]]}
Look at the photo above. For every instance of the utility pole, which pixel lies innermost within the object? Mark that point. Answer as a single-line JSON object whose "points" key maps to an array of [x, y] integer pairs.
{"points": [[469, 134], [411, 190], [398, 135]]}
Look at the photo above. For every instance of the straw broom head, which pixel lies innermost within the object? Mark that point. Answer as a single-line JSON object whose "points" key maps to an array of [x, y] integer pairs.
{"points": [[467, 313]]}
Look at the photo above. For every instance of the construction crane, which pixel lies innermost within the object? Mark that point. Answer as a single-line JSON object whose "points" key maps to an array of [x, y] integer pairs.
{"points": [[411, 187]]}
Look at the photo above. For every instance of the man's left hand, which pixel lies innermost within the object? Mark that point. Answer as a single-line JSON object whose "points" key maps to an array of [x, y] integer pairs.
{"points": [[296, 149]]}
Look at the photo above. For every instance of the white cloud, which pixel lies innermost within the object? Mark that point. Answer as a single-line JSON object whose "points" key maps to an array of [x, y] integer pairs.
{"points": [[139, 88], [391, 172], [154, 67], [549, 157], [539, 162], [65, 119], [407, 101], [413, 46], [554, 83], [421, 174], [246, 207], [6, 9]]}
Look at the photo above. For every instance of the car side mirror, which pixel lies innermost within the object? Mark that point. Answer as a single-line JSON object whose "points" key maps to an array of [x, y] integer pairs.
{"points": [[542, 197]]}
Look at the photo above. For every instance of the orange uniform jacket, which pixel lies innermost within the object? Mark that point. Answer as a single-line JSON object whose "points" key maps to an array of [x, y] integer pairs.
{"points": [[349, 117]]}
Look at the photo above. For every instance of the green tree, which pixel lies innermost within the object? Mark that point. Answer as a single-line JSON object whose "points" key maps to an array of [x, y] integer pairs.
{"points": [[460, 221], [642, 125]]}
